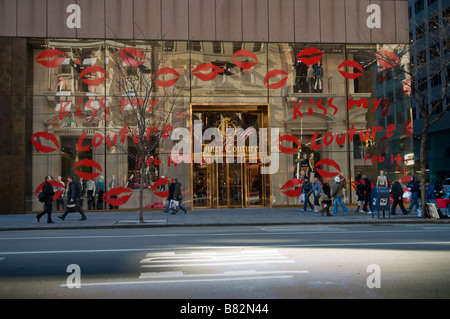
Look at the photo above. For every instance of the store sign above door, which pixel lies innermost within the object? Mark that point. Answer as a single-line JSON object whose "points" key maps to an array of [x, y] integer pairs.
{"points": [[74, 12]]}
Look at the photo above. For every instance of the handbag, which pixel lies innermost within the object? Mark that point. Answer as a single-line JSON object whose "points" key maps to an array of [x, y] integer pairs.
{"points": [[72, 207]]}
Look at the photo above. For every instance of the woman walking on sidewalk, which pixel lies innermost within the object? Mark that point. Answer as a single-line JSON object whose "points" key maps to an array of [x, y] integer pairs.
{"points": [[337, 195]]}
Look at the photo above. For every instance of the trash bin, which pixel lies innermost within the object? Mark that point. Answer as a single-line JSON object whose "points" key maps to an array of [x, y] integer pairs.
{"points": [[381, 201]]}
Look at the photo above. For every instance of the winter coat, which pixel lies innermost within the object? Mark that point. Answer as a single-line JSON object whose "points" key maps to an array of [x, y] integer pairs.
{"points": [[177, 191], [360, 191], [337, 190], [307, 188], [396, 190], [74, 191], [48, 191], [171, 191], [414, 185], [317, 188]]}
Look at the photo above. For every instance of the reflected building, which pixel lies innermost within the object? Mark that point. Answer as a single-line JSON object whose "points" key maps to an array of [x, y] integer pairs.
{"points": [[295, 91]]}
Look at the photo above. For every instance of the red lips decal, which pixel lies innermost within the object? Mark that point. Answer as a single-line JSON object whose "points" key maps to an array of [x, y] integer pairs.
{"points": [[289, 150], [54, 184], [293, 192], [48, 136], [87, 163], [167, 71], [408, 128], [210, 71], [132, 56], [273, 74], [116, 192], [245, 54], [51, 58], [310, 56], [387, 58], [91, 70], [327, 162], [350, 64], [407, 86], [159, 182]]}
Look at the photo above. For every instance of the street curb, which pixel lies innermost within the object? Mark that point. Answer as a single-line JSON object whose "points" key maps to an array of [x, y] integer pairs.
{"points": [[315, 223]]}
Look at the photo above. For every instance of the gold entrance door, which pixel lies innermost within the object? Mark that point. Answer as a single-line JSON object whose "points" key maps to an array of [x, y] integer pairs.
{"points": [[226, 184], [255, 181]]}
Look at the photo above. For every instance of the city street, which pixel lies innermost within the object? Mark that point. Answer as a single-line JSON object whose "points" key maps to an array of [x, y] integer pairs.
{"points": [[404, 261]]}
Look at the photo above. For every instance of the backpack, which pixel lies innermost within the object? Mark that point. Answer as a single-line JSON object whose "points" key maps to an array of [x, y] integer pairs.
{"points": [[41, 197]]}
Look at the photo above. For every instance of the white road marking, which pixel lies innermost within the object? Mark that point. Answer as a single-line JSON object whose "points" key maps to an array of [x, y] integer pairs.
{"points": [[6, 253], [178, 281]]}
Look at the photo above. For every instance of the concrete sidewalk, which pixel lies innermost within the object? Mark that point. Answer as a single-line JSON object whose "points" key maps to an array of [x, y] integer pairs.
{"points": [[205, 217]]}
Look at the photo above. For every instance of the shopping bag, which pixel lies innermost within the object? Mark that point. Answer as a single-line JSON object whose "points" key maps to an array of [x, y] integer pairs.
{"points": [[72, 207], [174, 204], [302, 198]]}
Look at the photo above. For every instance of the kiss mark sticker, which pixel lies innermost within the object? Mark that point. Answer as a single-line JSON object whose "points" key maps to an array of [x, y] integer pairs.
{"points": [[47, 136], [387, 59], [117, 191], [132, 57], [289, 138], [167, 71], [296, 191], [328, 162], [207, 71], [273, 74], [246, 54], [350, 64], [310, 56], [51, 58], [89, 72], [54, 184], [87, 163], [159, 182]]}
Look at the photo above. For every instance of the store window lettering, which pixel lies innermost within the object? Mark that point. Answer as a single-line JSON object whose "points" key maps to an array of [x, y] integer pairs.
{"points": [[364, 135], [298, 104]]}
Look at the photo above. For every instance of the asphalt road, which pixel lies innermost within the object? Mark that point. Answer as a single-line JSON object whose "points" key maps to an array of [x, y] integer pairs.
{"points": [[251, 262]]}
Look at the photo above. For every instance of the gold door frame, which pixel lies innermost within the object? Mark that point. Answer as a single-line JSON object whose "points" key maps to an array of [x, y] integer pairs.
{"points": [[213, 190]]}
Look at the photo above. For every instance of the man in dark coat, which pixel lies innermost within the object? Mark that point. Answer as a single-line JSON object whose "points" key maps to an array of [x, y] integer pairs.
{"points": [[74, 196], [48, 191], [170, 197], [397, 196], [307, 189], [368, 197]]}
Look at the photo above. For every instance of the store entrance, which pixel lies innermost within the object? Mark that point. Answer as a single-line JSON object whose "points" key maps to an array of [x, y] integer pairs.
{"points": [[230, 183]]}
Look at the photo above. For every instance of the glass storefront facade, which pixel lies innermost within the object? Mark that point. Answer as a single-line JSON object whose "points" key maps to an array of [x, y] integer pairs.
{"points": [[336, 109]]}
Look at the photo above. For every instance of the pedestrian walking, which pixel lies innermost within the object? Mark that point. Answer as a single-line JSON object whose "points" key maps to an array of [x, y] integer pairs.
{"points": [[307, 189], [325, 199], [361, 193], [73, 197], [48, 192], [317, 189], [170, 196], [368, 194], [178, 196], [397, 197], [337, 195], [414, 188]]}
